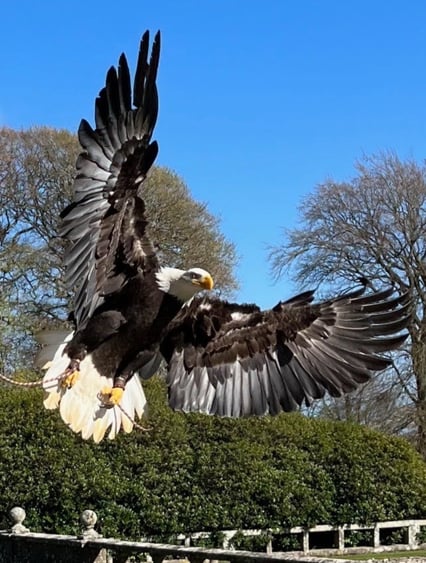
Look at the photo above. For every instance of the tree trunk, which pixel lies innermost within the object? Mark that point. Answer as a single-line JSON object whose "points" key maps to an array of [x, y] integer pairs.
{"points": [[419, 368]]}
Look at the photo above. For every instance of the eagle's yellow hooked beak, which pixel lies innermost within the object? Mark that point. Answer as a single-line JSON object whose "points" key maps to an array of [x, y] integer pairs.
{"points": [[205, 282]]}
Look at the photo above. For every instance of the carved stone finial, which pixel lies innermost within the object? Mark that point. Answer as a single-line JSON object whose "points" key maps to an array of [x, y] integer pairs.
{"points": [[89, 519], [17, 515]]}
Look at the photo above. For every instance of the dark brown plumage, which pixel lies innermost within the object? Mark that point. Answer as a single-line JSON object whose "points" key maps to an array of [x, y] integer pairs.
{"points": [[124, 300], [130, 312], [234, 360], [111, 263], [106, 221]]}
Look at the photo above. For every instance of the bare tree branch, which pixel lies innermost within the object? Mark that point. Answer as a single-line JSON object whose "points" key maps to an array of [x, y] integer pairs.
{"points": [[372, 226]]}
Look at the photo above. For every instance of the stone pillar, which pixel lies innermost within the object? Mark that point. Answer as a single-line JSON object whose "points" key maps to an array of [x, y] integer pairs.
{"points": [[269, 547], [305, 540], [376, 536], [341, 538], [17, 515], [413, 530], [227, 537], [88, 520]]}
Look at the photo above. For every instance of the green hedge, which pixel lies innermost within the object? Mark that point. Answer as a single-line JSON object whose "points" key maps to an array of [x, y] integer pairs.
{"points": [[193, 472]]}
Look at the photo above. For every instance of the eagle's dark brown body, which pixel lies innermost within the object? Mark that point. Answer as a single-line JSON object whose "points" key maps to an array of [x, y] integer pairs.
{"points": [[123, 335], [222, 358]]}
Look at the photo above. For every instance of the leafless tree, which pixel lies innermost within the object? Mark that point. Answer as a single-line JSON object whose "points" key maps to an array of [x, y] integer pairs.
{"points": [[373, 226], [37, 167]]}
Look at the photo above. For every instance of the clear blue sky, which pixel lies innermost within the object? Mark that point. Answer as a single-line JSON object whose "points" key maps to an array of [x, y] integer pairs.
{"points": [[259, 100]]}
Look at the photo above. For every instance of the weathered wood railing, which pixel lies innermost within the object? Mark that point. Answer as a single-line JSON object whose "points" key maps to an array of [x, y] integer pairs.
{"points": [[411, 530], [19, 545]]}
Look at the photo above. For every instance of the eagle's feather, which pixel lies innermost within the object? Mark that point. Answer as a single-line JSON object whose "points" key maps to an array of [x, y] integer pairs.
{"points": [[222, 358], [263, 362]]}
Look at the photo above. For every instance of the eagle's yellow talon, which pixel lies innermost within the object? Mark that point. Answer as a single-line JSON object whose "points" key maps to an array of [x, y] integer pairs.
{"points": [[111, 397], [71, 379]]}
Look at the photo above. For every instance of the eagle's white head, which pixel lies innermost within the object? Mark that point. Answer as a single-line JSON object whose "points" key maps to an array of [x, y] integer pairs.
{"points": [[183, 284]]}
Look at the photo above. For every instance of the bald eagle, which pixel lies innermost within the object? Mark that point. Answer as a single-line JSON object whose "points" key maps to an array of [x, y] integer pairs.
{"points": [[131, 313]]}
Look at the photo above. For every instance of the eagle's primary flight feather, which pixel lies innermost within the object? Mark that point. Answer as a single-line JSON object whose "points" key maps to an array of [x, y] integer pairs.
{"points": [[130, 312]]}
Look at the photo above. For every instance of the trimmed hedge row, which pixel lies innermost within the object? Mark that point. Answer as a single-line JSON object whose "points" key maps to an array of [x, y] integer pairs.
{"points": [[193, 472]]}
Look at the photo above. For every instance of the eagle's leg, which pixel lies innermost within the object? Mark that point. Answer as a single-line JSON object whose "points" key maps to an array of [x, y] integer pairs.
{"points": [[76, 351], [72, 373], [111, 396]]}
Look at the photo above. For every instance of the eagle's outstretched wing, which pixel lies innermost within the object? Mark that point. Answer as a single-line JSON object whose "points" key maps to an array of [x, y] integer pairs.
{"points": [[106, 222], [234, 360]]}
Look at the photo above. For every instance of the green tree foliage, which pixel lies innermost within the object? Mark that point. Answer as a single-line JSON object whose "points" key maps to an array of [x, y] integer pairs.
{"points": [[193, 472], [37, 167], [373, 226], [36, 171], [184, 231]]}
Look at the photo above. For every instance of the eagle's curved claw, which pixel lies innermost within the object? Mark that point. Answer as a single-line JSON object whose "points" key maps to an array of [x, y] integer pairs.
{"points": [[71, 375], [110, 397]]}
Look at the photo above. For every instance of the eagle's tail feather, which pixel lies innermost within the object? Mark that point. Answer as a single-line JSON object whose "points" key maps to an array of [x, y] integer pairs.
{"points": [[51, 358], [80, 406]]}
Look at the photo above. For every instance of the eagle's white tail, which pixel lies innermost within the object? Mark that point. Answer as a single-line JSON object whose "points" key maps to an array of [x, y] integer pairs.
{"points": [[79, 405]]}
